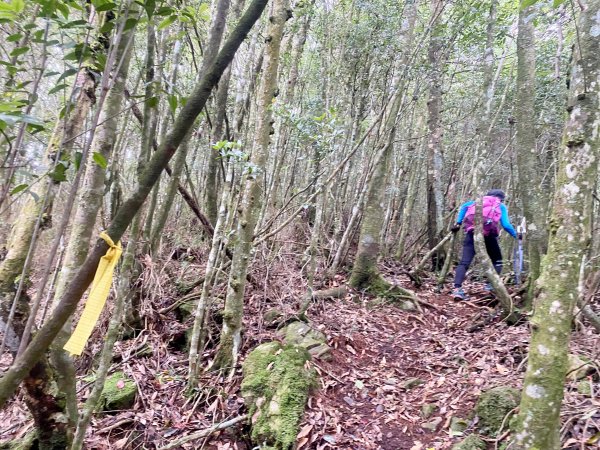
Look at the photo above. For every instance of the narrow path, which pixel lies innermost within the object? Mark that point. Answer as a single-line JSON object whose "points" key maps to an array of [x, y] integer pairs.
{"points": [[388, 363]]}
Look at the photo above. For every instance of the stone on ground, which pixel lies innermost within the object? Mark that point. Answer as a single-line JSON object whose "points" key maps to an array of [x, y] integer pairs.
{"points": [[471, 442], [493, 406], [275, 388], [118, 393], [302, 334]]}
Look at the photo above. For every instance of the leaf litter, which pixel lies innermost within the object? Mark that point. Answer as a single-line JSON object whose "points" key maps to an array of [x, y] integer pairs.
{"points": [[387, 367]]}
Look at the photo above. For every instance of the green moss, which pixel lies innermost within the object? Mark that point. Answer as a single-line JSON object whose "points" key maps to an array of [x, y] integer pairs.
{"points": [[27, 442], [493, 406], [471, 442], [118, 397], [275, 387]]}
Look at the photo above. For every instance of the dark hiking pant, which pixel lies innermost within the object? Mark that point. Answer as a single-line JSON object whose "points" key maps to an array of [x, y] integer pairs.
{"points": [[493, 251]]}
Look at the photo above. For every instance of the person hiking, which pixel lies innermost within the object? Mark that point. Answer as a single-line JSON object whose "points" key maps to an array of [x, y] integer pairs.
{"points": [[494, 213]]}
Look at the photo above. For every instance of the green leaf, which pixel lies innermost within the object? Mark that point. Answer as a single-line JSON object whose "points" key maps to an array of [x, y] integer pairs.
{"points": [[18, 6], [18, 189], [165, 11], [150, 6], [107, 27], [204, 12], [527, 3], [59, 173], [19, 51], [152, 102], [557, 3], [64, 9], [108, 6], [66, 73], [77, 160], [168, 21], [130, 24], [172, 103], [14, 37], [57, 88], [100, 160]]}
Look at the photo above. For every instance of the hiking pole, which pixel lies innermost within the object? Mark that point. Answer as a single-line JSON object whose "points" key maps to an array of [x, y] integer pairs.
{"points": [[518, 254]]}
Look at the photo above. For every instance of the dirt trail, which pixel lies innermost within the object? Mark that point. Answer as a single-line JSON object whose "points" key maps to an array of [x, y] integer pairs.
{"points": [[388, 363]]}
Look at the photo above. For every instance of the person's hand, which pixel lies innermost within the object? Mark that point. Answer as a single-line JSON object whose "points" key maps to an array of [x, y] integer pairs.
{"points": [[455, 228]]}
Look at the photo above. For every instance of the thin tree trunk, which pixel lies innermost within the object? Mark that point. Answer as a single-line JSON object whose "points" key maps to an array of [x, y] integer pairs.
{"points": [[435, 192], [530, 175], [227, 352]]}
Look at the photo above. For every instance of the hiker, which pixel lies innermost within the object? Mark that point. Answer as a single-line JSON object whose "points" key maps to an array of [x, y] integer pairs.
{"points": [[494, 213]]}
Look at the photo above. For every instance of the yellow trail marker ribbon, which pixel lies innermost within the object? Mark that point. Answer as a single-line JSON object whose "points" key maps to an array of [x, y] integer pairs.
{"points": [[96, 298]]}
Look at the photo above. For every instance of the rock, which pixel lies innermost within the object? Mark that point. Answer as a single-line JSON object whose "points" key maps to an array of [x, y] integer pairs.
{"points": [[578, 368], [275, 389], [302, 334], [412, 383], [27, 442], [392, 381], [433, 424], [585, 388], [118, 393], [271, 317], [457, 426], [427, 410], [471, 442], [407, 306], [186, 310], [493, 406]]}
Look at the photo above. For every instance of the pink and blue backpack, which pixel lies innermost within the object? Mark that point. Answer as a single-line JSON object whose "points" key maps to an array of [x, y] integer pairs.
{"points": [[492, 213]]}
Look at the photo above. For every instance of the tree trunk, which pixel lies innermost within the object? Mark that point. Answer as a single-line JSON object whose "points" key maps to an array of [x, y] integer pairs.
{"points": [[530, 172], [435, 192], [570, 233], [230, 342]]}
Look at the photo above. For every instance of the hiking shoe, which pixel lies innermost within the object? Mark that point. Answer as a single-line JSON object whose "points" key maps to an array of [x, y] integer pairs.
{"points": [[458, 294]]}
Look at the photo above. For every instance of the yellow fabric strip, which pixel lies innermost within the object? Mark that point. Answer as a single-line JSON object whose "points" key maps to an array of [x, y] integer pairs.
{"points": [[96, 298]]}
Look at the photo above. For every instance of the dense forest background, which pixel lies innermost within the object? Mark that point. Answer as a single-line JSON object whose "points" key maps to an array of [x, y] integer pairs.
{"points": [[282, 180]]}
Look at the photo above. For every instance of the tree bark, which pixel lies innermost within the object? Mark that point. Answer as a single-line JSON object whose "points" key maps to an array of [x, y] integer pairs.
{"points": [[530, 173], [570, 234], [230, 341]]}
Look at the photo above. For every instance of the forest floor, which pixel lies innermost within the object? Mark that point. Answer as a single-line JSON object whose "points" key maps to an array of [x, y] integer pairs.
{"points": [[362, 401]]}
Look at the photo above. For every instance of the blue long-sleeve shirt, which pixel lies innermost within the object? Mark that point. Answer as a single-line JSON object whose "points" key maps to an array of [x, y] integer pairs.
{"points": [[504, 220]]}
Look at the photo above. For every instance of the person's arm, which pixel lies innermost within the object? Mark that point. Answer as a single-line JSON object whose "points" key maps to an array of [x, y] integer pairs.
{"points": [[505, 221], [463, 212]]}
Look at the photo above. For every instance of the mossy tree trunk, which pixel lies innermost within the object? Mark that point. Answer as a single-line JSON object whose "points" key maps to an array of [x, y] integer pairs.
{"points": [[528, 161], [227, 352], [570, 234], [88, 205], [365, 274], [435, 193]]}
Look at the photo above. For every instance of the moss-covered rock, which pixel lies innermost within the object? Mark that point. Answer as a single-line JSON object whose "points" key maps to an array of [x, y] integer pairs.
{"points": [[272, 317], [118, 393], [27, 442], [186, 309], [302, 334], [471, 442], [427, 410], [578, 367], [494, 405], [585, 388], [275, 388]]}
